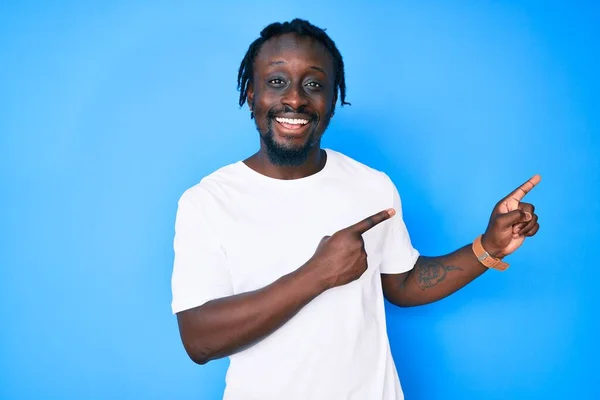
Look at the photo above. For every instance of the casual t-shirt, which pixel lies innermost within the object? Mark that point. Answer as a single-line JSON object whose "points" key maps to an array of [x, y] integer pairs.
{"points": [[238, 230]]}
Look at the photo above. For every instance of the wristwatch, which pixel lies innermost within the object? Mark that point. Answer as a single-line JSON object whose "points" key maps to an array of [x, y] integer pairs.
{"points": [[485, 258]]}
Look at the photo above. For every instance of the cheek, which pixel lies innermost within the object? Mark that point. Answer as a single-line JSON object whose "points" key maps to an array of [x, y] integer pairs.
{"points": [[257, 109], [326, 108], [262, 103], [260, 110], [326, 103]]}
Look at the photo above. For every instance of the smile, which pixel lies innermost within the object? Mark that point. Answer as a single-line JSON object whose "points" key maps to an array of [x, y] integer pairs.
{"points": [[292, 123]]}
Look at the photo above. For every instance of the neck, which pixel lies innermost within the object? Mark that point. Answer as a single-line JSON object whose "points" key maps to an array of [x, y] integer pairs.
{"points": [[314, 163]]}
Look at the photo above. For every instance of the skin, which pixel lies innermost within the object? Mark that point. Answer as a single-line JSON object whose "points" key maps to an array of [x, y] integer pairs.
{"points": [[434, 278], [293, 78]]}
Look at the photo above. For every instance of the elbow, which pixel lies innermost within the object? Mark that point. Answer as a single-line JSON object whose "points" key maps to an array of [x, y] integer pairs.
{"points": [[406, 304], [409, 304], [200, 360], [198, 353], [199, 357], [397, 291], [411, 301], [403, 303], [198, 344], [403, 299]]}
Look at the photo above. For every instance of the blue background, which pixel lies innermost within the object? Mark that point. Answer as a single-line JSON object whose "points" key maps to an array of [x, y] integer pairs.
{"points": [[110, 110]]}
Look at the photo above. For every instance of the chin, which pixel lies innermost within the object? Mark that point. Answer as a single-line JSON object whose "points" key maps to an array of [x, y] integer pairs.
{"points": [[286, 153], [291, 143]]}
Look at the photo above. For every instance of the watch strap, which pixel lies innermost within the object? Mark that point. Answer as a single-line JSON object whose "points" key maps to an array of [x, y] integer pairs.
{"points": [[485, 258]]}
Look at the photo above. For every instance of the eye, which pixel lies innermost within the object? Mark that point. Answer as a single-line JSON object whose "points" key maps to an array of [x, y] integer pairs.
{"points": [[314, 85], [276, 82]]}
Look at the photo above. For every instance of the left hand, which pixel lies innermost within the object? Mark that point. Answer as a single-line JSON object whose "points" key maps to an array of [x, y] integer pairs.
{"points": [[511, 222]]}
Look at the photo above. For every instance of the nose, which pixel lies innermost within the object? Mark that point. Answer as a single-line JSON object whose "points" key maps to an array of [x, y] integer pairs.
{"points": [[294, 97]]}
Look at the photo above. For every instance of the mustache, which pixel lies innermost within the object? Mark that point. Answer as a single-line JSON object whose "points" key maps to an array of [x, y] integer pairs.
{"points": [[275, 112]]}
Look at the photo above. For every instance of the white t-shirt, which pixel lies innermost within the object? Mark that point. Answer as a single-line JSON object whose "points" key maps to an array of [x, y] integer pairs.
{"points": [[238, 230]]}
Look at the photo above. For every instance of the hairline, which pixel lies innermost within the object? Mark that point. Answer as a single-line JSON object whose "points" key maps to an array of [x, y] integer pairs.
{"points": [[300, 35]]}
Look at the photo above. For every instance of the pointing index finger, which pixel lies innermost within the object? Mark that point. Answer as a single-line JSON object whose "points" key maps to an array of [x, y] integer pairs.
{"points": [[369, 222], [525, 188]]}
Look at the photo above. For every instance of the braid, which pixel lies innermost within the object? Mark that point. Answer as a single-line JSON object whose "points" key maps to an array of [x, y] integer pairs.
{"points": [[302, 28]]}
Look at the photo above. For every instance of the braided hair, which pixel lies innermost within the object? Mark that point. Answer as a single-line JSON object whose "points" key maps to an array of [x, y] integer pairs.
{"points": [[301, 28]]}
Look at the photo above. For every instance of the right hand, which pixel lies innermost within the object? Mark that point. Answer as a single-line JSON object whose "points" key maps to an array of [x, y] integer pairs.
{"points": [[341, 258]]}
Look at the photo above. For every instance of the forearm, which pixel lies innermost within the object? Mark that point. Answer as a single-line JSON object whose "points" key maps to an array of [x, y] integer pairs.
{"points": [[225, 326], [434, 278]]}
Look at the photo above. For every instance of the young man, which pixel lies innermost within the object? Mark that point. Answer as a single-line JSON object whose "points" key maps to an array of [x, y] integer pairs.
{"points": [[282, 261]]}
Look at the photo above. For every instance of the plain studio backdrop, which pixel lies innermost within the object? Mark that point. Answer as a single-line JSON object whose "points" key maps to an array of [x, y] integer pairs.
{"points": [[110, 110]]}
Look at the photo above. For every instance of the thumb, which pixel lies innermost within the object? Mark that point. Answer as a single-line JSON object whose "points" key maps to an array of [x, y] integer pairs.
{"points": [[511, 218]]}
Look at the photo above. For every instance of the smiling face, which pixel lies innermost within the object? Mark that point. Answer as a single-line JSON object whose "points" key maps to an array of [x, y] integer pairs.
{"points": [[292, 96]]}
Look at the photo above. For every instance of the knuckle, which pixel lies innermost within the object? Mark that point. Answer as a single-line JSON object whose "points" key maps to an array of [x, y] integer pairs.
{"points": [[339, 234], [523, 214], [527, 207]]}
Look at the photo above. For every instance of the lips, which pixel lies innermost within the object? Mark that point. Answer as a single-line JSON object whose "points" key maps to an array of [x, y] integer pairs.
{"points": [[292, 123]]}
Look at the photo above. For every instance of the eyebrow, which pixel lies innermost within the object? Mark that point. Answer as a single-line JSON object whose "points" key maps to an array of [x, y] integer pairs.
{"points": [[311, 67]]}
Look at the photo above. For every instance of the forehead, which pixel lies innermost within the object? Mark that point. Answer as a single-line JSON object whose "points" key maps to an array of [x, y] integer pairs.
{"points": [[294, 49]]}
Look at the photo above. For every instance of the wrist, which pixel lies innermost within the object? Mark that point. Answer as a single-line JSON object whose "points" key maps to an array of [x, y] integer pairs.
{"points": [[311, 273], [490, 248], [485, 258]]}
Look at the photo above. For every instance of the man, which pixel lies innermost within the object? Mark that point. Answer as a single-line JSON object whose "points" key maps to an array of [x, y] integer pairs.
{"points": [[282, 261]]}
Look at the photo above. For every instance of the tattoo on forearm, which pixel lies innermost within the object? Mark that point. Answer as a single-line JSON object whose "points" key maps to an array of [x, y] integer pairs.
{"points": [[430, 273]]}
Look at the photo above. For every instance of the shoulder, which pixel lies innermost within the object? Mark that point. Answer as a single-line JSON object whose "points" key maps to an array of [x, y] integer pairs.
{"points": [[214, 185]]}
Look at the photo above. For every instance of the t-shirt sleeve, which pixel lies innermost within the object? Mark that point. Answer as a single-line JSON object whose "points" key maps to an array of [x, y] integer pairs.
{"points": [[399, 255], [200, 272]]}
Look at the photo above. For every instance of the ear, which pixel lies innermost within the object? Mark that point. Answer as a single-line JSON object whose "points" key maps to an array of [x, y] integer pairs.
{"points": [[250, 96]]}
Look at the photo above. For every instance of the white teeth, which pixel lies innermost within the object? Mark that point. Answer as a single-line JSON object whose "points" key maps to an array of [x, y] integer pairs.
{"points": [[292, 121]]}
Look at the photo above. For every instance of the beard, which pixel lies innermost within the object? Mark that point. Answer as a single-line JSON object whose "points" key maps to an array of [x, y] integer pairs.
{"points": [[283, 155], [286, 155]]}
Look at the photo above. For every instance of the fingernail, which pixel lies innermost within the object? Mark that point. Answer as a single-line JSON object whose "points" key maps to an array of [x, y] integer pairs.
{"points": [[528, 216], [392, 212]]}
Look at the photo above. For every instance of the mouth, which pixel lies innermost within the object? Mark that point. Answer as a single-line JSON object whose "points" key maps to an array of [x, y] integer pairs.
{"points": [[292, 125]]}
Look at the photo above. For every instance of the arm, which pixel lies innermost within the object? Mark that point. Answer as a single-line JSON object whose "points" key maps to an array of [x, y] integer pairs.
{"points": [[224, 326], [434, 278]]}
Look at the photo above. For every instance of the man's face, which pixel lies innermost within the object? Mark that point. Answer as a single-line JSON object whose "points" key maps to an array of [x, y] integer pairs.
{"points": [[292, 96]]}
